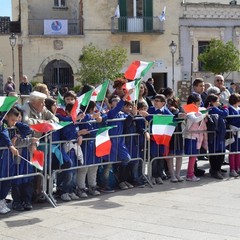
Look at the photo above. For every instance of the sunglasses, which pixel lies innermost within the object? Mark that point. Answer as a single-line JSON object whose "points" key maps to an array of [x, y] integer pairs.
{"points": [[219, 80]]}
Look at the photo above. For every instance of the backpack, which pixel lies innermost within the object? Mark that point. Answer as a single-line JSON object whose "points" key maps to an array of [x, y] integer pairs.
{"points": [[212, 122]]}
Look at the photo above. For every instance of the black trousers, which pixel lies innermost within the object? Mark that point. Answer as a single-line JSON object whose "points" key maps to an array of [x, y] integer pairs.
{"points": [[216, 162]]}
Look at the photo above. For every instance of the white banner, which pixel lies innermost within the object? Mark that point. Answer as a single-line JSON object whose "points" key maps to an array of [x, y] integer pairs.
{"points": [[55, 26]]}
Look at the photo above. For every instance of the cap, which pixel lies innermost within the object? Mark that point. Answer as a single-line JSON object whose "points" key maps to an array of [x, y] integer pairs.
{"points": [[36, 94]]}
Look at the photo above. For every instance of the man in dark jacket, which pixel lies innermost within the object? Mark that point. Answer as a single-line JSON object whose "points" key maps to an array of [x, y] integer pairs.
{"points": [[25, 87]]}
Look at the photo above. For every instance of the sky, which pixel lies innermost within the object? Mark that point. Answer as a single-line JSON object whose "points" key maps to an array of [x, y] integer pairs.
{"points": [[5, 8]]}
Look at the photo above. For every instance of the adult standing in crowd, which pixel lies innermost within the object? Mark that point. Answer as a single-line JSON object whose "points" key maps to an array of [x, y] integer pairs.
{"points": [[34, 111], [9, 85], [25, 87], [205, 94], [233, 88], [224, 93], [43, 88], [151, 89], [198, 89]]}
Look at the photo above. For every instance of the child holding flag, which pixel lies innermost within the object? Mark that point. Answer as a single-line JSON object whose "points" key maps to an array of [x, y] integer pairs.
{"points": [[193, 141], [156, 150], [88, 148], [7, 163], [73, 137], [119, 151]]}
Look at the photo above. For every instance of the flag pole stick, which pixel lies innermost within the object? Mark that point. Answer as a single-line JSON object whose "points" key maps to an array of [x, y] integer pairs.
{"points": [[45, 135], [26, 160]]}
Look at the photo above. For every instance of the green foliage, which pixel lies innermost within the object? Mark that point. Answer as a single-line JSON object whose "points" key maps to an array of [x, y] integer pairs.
{"points": [[34, 83], [220, 58], [98, 65], [77, 88]]}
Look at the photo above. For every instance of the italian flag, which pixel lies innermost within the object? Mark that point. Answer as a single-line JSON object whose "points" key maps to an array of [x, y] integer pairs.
{"points": [[47, 127], [99, 92], [137, 69], [103, 142], [162, 129], [37, 159], [135, 85], [60, 100], [84, 100], [6, 103]]}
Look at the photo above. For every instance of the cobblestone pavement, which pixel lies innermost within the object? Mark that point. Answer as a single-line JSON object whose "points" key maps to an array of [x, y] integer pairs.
{"points": [[209, 209]]}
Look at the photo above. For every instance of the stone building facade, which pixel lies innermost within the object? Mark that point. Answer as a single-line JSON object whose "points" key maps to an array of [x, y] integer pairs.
{"points": [[49, 56]]}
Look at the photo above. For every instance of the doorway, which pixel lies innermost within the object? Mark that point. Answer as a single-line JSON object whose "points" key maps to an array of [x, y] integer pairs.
{"points": [[58, 73], [160, 80]]}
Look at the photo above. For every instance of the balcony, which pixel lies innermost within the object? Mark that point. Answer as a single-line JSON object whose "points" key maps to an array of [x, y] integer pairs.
{"points": [[74, 27], [137, 25]]}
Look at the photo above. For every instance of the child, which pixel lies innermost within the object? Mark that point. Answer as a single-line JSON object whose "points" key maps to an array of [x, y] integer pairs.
{"points": [[234, 159], [132, 125], [71, 134], [88, 148], [22, 188], [216, 140], [159, 107], [119, 151], [68, 97], [7, 164], [64, 178], [176, 142], [194, 141]]}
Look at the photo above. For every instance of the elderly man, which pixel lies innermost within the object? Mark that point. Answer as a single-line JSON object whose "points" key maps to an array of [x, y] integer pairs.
{"points": [[35, 110], [25, 87], [224, 93]]}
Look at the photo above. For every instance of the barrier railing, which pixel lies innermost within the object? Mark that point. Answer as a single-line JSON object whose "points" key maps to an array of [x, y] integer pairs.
{"points": [[144, 154]]}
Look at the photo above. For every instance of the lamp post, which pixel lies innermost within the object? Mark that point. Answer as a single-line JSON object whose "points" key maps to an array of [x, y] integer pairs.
{"points": [[173, 48], [12, 40]]}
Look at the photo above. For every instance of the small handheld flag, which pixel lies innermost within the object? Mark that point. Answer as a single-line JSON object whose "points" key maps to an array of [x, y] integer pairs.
{"points": [[38, 159], [103, 142]]}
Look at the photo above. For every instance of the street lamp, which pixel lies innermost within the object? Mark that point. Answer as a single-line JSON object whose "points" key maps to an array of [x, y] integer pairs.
{"points": [[173, 48], [12, 40]]}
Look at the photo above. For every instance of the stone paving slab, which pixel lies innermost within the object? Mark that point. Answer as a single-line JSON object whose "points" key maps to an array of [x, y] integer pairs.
{"points": [[209, 209]]}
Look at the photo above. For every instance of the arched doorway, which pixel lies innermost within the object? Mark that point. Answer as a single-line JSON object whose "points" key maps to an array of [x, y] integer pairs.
{"points": [[58, 73]]}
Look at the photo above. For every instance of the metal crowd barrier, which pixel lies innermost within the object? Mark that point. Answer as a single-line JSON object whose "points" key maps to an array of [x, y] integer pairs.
{"points": [[49, 174]]}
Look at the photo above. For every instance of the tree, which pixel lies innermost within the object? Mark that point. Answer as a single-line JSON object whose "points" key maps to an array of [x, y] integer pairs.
{"points": [[220, 58], [98, 64]]}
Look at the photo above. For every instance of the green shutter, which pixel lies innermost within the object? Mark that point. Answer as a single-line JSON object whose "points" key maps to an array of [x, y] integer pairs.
{"points": [[122, 21], [148, 15]]}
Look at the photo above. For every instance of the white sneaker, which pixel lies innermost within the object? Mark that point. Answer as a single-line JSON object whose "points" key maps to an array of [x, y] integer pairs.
{"points": [[174, 179], [3, 207], [153, 181], [82, 193], [73, 196], [65, 197], [129, 185], [193, 179], [123, 186], [159, 180], [180, 179], [233, 173], [93, 191]]}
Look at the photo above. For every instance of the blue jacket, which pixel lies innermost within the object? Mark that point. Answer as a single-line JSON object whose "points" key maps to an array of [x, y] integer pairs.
{"points": [[216, 140]]}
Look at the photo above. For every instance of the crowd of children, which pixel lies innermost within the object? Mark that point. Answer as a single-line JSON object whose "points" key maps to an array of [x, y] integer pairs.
{"points": [[130, 138]]}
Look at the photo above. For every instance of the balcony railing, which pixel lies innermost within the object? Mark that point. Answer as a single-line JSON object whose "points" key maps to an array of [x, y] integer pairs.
{"points": [[36, 27], [137, 25]]}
